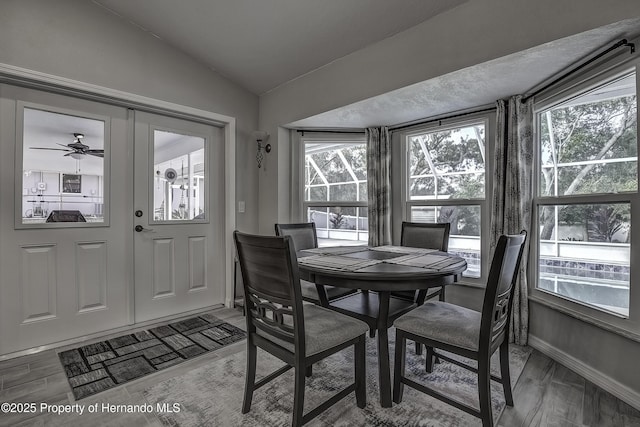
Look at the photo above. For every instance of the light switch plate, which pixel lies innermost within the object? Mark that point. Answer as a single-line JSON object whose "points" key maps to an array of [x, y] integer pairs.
{"points": [[241, 206]]}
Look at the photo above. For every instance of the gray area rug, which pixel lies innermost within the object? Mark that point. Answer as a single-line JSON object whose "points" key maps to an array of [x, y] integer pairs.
{"points": [[212, 395], [100, 366]]}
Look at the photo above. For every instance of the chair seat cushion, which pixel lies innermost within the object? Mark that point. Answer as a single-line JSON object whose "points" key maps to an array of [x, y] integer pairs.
{"points": [[324, 329], [443, 322], [310, 292]]}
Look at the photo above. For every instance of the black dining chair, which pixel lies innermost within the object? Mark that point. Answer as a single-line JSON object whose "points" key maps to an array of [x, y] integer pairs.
{"points": [[299, 335], [427, 236], [469, 333], [305, 236]]}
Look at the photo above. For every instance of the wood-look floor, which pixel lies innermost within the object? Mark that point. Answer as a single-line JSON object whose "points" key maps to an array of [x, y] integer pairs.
{"points": [[547, 393]]}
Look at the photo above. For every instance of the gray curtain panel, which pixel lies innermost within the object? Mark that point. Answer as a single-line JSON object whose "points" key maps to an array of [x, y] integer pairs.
{"points": [[379, 185], [513, 193]]}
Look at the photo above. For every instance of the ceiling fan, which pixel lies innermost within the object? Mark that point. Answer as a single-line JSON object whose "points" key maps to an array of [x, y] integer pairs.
{"points": [[76, 149]]}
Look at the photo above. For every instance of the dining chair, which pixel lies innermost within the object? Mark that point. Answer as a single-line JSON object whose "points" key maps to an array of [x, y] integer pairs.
{"points": [[426, 236], [468, 333], [304, 236], [299, 335]]}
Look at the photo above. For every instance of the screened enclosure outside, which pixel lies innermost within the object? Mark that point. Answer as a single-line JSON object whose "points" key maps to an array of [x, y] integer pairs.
{"points": [[335, 191], [588, 161], [450, 165]]}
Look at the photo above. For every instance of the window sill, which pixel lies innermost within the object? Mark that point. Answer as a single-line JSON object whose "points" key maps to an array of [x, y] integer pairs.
{"points": [[626, 333]]}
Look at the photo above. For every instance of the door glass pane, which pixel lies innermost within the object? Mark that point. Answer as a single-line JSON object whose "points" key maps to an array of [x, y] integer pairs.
{"points": [[63, 168], [179, 177], [585, 254], [464, 239]]}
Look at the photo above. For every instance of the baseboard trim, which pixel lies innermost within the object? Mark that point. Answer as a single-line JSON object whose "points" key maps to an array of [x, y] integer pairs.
{"points": [[608, 384]]}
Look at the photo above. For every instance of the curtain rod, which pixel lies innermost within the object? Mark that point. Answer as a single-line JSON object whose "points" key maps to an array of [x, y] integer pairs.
{"points": [[453, 116], [621, 43], [302, 131]]}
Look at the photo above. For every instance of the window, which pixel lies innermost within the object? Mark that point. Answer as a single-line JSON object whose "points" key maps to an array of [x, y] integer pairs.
{"points": [[63, 169], [587, 188], [445, 181], [335, 190]]}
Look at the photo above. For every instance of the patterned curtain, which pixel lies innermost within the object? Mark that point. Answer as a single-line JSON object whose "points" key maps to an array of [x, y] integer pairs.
{"points": [[512, 195], [379, 185]]}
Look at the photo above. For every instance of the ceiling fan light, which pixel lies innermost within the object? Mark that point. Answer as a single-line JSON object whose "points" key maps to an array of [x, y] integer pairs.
{"points": [[76, 156]]}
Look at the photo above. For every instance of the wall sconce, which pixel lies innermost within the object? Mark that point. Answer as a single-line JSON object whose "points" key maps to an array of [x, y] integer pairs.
{"points": [[260, 137]]}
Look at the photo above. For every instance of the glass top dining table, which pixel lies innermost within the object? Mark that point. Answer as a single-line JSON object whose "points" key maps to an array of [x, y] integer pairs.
{"points": [[383, 269]]}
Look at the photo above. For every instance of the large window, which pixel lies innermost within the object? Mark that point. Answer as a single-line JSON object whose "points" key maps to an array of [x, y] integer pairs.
{"points": [[335, 190], [587, 189], [445, 181]]}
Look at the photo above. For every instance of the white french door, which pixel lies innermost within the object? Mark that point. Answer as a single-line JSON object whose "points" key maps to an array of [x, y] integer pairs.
{"points": [[178, 216], [64, 224], [74, 188]]}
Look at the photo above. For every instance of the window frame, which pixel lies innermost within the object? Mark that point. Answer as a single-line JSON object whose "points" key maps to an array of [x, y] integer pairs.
{"points": [[329, 138], [489, 121], [19, 184], [625, 325]]}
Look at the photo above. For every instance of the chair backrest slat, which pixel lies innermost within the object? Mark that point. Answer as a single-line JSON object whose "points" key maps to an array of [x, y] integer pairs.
{"points": [[498, 298], [426, 235], [304, 234], [271, 286]]}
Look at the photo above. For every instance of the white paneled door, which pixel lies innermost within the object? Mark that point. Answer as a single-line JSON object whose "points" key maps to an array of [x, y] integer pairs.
{"points": [[178, 216], [65, 235], [108, 217]]}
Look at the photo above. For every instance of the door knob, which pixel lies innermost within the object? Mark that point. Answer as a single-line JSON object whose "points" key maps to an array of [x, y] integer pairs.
{"points": [[140, 228]]}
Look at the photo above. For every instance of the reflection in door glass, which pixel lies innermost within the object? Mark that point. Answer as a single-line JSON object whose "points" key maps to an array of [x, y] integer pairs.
{"points": [[63, 168], [178, 177]]}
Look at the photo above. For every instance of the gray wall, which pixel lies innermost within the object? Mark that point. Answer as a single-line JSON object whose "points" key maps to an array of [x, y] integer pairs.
{"points": [[80, 40], [609, 354]]}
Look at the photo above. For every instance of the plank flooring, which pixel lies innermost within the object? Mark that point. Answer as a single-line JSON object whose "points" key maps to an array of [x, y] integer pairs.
{"points": [[547, 393]]}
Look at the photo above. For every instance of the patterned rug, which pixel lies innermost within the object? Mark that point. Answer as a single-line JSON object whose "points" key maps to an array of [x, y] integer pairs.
{"points": [[97, 367], [212, 395]]}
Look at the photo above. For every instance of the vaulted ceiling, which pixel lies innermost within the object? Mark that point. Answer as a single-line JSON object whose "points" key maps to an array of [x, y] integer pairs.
{"points": [[263, 44]]}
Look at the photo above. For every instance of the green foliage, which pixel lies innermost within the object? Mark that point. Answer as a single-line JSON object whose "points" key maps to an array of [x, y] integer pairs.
{"points": [[591, 131], [604, 223], [457, 150]]}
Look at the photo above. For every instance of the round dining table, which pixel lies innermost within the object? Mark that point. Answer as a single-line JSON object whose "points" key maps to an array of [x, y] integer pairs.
{"points": [[383, 270]]}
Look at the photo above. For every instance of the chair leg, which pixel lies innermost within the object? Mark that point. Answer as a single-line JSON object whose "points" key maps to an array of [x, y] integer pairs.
{"points": [[484, 390], [250, 378], [360, 362], [504, 373], [428, 366], [418, 348], [442, 293], [399, 365], [372, 333], [309, 371], [298, 397]]}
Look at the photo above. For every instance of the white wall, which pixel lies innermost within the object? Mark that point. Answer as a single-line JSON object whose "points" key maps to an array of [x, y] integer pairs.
{"points": [[79, 40]]}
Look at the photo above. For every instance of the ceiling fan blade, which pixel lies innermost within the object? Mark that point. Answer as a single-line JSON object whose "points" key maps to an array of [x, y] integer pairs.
{"points": [[78, 146], [42, 148], [97, 153]]}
